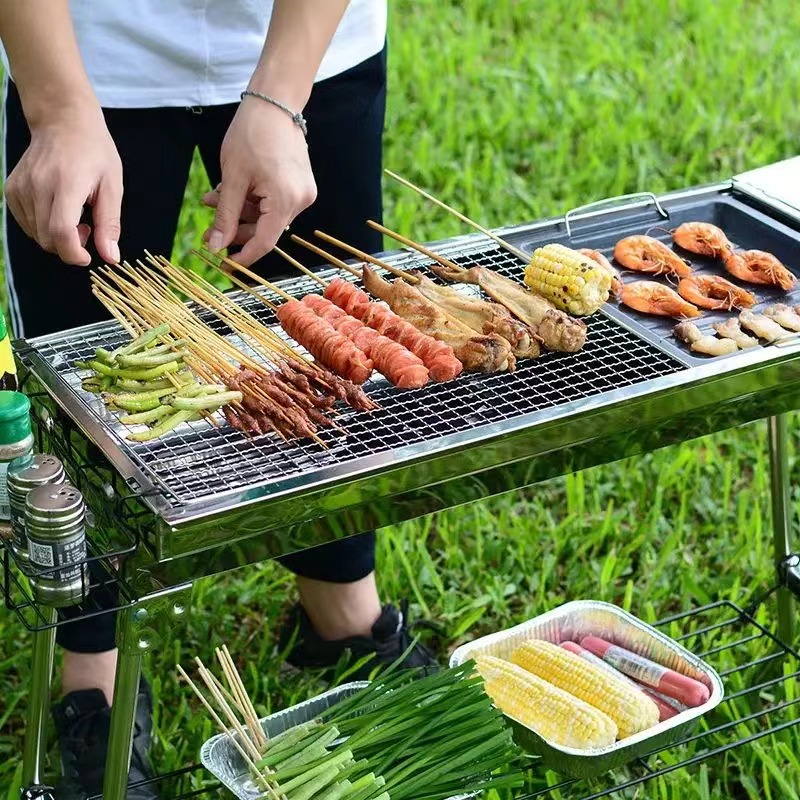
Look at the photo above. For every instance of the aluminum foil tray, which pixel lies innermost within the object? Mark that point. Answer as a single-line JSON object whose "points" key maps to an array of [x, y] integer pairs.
{"points": [[220, 758], [582, 618]]}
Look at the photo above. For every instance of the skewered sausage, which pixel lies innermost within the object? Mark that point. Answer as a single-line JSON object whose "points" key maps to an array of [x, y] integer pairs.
{"points": [[325, 343], [400, 366], [438, 357]]}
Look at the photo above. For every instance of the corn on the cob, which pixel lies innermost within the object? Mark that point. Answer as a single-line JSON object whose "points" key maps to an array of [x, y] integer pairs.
{"points": [[570, 280], [556, 715], [631, 710]]}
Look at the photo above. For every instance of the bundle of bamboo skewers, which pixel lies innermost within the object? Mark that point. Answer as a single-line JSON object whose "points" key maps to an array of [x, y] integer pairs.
{"points": [[280, 391]]}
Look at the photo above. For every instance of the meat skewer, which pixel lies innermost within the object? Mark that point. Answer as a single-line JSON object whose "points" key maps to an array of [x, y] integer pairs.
{"points": [[478, 353], [437, 356], [480, 315]]}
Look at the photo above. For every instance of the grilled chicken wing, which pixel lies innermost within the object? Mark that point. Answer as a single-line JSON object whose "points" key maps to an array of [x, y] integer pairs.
{"points": [[478, 353], [482, 316], [555, 329]]}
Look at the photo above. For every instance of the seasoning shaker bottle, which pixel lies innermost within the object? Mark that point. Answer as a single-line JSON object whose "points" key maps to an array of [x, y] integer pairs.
{"points": [[55, 517], [26, 473], [16, 439]]}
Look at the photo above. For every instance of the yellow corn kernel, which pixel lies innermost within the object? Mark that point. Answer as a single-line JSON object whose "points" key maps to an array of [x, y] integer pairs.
{"points": [[570, 280], [631, 710], [556, 715]]}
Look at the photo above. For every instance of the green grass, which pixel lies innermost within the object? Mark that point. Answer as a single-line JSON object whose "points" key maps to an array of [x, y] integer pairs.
{"points": [[513, 111]]}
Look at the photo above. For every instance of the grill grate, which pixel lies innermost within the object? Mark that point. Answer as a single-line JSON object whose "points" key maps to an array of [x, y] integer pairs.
{"points": [[198, 460]]}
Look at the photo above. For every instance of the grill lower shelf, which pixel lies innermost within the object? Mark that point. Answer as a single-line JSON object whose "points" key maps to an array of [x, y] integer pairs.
{"points": [[762, 698]]}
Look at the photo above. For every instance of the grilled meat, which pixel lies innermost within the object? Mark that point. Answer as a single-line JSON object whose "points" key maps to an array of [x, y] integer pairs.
{"points": [[400, 366], [709, 345], [478, 353], [482, 316], [762, 326], [327, 345], [784, 315], [731, 329], [437, 356], [554, 329]]}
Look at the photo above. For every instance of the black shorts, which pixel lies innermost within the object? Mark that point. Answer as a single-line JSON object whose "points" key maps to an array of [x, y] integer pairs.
{"points": [[345, 127]]}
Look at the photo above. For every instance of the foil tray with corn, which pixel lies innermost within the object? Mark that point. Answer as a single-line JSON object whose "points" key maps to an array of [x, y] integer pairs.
{"points": [[579, 717]]}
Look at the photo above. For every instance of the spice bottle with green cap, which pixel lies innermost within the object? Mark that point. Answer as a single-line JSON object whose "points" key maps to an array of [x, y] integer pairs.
{"points": [[16, 439]]}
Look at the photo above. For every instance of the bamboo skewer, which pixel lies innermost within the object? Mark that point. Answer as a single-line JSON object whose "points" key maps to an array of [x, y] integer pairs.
{"points": [[223, 727], [463, 217], [295, 263], [237, 686], [354, 251], [439, 259], [331, 259]]}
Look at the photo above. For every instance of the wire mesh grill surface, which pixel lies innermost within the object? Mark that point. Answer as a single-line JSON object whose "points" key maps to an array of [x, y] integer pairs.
{"points": [[199, 460]]}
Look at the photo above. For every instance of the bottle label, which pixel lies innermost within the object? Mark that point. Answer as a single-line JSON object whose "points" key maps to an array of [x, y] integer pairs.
{"points": [[7, 364], [69, 554], [5, 508], [635, 666]]}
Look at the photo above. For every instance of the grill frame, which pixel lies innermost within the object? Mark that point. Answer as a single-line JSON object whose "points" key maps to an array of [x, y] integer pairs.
{"points": [[384, 488]]}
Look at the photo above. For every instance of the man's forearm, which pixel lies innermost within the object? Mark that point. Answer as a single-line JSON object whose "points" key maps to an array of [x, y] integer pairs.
{"points": [[299, 34], [45, 61]]}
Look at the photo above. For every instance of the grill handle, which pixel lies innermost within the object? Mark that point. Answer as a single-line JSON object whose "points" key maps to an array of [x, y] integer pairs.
{"points": [[623, 200]]}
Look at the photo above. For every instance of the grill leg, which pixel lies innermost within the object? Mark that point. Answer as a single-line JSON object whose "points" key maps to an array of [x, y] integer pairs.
{"points": [[123, 711], [781, 516], [44, 645]]}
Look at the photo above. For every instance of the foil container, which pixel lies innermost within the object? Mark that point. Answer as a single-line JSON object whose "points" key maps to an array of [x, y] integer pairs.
{"points": [[581, 618], [222, 760]]}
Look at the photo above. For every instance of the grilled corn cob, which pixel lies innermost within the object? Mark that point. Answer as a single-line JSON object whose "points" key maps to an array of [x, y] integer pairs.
{"points": [[631, 710], [570, 280], [554, 714]]}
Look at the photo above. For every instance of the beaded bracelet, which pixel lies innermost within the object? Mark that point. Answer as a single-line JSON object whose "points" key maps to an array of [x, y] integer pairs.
{"points": [[296, 116]]}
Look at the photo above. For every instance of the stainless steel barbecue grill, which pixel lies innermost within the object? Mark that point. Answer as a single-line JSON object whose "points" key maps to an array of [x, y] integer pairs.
{"points": [[205, 499]]}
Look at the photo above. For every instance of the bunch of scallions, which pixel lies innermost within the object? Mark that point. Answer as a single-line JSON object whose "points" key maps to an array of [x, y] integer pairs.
{"points": [[399, 738]]}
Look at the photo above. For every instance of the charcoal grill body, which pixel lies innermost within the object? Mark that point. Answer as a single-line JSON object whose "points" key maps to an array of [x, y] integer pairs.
{"points": [[204, 502]]}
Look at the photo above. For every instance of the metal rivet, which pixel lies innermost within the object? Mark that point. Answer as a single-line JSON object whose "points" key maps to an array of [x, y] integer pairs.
{"points": [[140, 614], [144, 644], [178, 609]]}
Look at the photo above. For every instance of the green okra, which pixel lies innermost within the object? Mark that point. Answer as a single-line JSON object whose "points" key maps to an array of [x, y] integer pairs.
{"points": [[170, 422], [140, 342], [211, 401], [103, 369], [132, 386], [149, 374], [147, 417], [147, 360], [106, 356]]}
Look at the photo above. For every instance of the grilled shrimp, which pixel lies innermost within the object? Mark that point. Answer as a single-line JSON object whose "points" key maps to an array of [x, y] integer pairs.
{"points": [[646, 254], [757, 266], [784, 315], [598, 257], [650, 297], [713, 291], [702, 342], [762, 326], [702, 238], [731, 329]]}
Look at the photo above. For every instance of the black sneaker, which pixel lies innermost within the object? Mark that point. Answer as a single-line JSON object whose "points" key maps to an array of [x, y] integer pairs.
{"points": [[83, 721], [357, 657]]}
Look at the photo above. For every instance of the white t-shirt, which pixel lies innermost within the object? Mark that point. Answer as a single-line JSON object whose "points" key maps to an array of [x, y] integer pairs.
{"points": [[150, 53]]}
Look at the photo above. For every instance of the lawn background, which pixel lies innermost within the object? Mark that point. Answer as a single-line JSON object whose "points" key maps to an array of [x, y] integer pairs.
{"points": [[513, 111]]}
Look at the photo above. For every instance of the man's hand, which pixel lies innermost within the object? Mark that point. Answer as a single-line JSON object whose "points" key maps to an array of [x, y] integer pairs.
{"points": [[266, 181], [71, 162]]}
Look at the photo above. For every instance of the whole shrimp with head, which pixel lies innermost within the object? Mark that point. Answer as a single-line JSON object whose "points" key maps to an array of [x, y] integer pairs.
{"points": [[646, 254], [651, 297], [751, 266], [714, 292]]}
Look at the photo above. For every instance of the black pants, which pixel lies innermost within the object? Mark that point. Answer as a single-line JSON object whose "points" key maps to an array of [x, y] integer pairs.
{"points": [[345, 119]]}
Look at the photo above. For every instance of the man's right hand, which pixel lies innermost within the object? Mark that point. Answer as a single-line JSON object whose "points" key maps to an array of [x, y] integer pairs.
{"points": [[71, 162]]}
